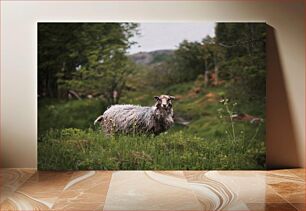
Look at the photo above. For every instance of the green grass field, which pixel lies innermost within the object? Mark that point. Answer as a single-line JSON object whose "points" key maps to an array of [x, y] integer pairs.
{"points": [[68, 139]]}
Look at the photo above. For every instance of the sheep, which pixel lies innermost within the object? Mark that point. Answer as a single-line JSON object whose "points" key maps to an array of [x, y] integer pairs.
{"points": [[131, 119]]}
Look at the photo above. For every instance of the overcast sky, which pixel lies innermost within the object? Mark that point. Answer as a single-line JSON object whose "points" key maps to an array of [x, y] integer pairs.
{"points": [[156, 36]]}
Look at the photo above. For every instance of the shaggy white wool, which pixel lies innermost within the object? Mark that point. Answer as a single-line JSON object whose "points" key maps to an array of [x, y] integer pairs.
{"points": [[136, 119]]}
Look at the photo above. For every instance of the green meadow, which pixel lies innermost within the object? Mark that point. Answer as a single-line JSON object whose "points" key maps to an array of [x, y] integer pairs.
{"points": [[71, 141]]}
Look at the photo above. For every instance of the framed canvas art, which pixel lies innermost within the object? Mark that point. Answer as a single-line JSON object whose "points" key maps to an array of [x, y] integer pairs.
{"points": [[143, 96]]}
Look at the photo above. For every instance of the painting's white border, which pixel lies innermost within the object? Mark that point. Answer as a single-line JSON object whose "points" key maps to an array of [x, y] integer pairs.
{"points": [[19, 43]]}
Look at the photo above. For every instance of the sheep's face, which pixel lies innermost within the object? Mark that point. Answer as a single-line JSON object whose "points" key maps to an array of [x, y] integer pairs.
{"points": [[164, 103]]}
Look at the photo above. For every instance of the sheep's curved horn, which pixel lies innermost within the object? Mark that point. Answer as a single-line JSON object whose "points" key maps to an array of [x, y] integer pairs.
{"points": [[172, 97], [156, 98], [98, 120]]}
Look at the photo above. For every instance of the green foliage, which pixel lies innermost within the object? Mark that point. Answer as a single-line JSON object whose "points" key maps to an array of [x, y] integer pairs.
{"points": [[72, 149], [244, 66], [248, 81], [240, 39], [88, 58], [53, 114], [161, 57], [236, 56], [159, 75], [189, 61]]}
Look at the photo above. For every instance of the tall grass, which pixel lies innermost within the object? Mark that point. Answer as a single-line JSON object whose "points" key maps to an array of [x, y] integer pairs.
{"points": [[89, 149], [68, 139]]}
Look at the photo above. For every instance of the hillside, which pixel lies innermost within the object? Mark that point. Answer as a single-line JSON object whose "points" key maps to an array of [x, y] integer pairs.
{"points": [[147, 58]]}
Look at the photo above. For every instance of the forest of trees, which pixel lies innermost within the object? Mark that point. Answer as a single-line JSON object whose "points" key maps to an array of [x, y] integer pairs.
{"points": [[83, 59], [90, 59], [235, 57]]}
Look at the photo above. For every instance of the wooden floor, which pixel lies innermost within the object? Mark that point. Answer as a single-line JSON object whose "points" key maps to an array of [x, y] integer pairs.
{"points": [[27, 189]]}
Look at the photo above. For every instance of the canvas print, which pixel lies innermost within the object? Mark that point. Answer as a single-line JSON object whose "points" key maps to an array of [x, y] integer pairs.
{"points": [[151, 96]]}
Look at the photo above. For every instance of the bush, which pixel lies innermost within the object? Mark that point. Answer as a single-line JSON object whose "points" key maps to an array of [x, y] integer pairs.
{"points": [[54, 114]]}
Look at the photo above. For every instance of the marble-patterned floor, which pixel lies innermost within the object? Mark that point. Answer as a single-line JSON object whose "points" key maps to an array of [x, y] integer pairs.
{"points": [[28, 189]]}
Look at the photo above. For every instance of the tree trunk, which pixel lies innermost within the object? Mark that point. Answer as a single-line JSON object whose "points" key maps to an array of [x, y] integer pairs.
{"points": [[206, 78], [216, 70], [206, 74]]}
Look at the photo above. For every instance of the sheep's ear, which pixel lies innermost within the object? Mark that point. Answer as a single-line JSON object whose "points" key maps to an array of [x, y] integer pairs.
{"points": [[156, 98], [172, 97]]}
